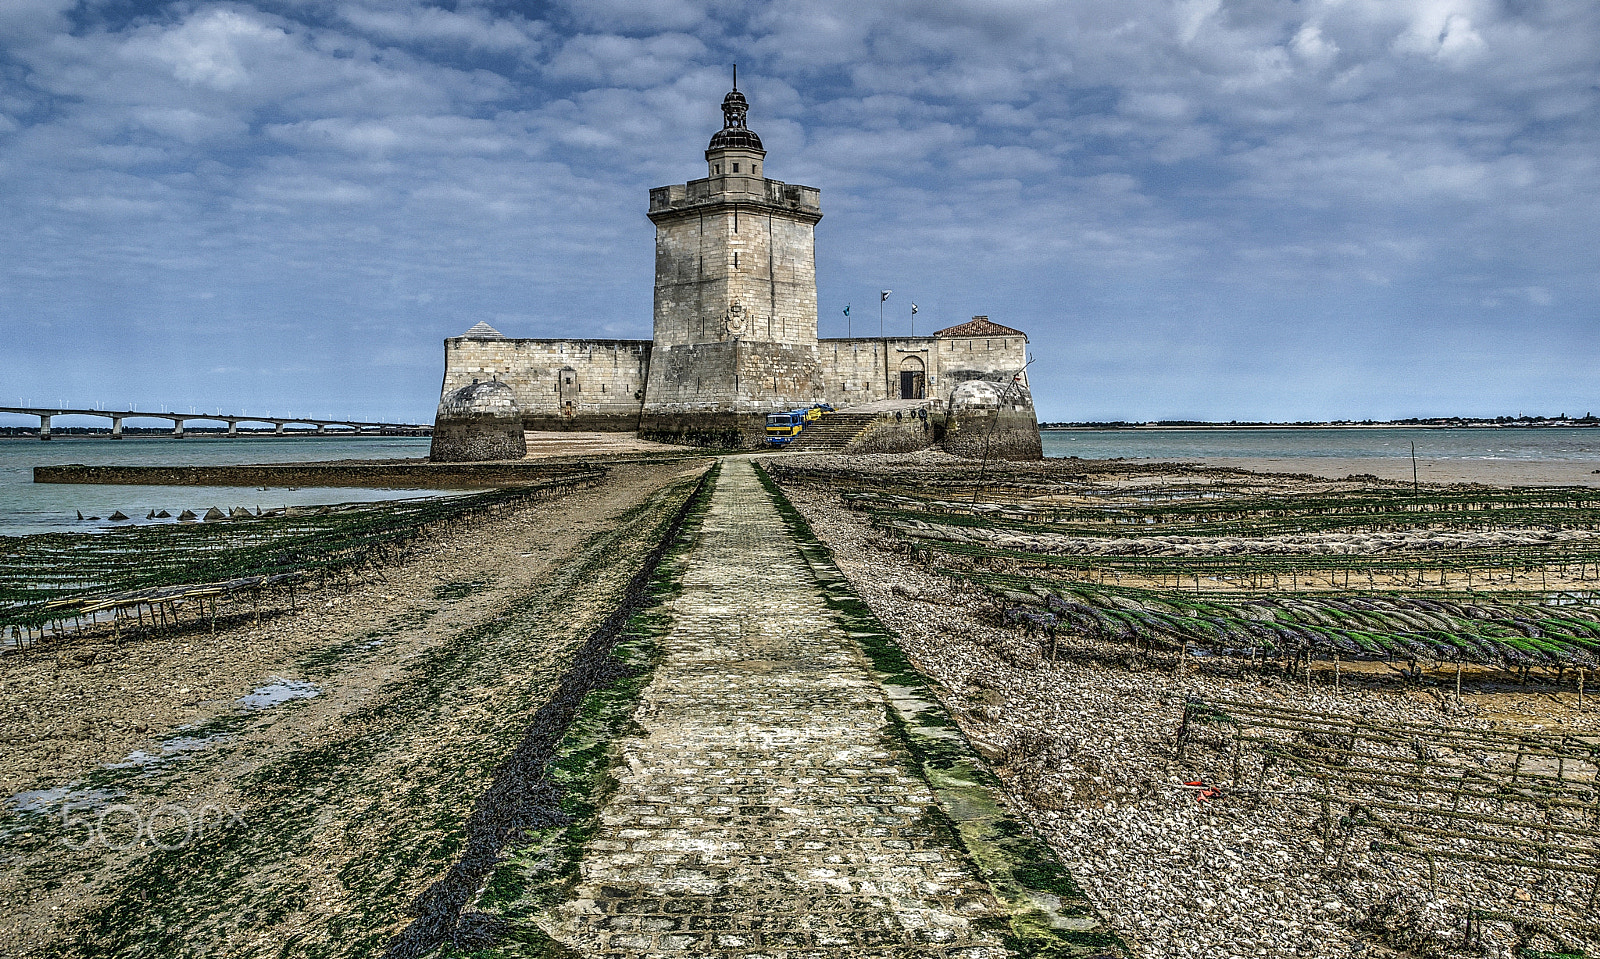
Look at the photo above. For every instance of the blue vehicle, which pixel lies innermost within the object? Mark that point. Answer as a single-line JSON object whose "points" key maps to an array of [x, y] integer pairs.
{"points": [[782, 428]]}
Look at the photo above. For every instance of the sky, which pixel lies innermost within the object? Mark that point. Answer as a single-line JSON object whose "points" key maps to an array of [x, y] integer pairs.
{"points": [[1197, 209]]}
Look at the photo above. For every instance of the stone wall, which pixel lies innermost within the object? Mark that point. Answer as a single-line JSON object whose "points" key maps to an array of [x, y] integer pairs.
{"points": [[986, 420], [410, 475], [962, 358], [480, 421], [854, 369], [735, 258], [899, 431], [559, 384], [735, 309], [582, 384], [720, 393], [713, 429]]}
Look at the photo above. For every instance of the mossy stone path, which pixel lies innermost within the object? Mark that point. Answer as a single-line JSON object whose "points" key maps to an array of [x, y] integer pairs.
{"points": [[770, 801]]}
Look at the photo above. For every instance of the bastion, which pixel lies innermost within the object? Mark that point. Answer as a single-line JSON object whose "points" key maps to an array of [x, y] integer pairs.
{"points": [[735, 335], [478, 422], [992, 420]]}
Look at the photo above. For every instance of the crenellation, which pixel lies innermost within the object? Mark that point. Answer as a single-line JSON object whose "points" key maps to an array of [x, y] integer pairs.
{"points": [[756, 194]]}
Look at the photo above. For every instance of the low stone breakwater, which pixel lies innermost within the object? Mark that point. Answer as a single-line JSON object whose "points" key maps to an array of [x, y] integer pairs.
{"points": [[403, 475]]}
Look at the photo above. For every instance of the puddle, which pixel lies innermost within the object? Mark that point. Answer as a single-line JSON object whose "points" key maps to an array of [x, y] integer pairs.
{"points": [[279, 691], [65, 797], [174, 748], [72, 798]]}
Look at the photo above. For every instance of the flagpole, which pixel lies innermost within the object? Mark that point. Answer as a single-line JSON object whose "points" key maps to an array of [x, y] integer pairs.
{"points": [[883, 297]]}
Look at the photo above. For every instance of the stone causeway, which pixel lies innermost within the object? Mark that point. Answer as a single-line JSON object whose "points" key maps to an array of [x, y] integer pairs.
{"points": [[770, 801]]}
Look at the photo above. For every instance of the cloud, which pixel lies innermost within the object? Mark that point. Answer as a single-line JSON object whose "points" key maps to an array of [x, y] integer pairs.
{"points": [[210, 49], [28, 19], [1226, 178], [398, 134], [473, 29], [643, 16], [188, 126], [1442, 29], [628, 61]]}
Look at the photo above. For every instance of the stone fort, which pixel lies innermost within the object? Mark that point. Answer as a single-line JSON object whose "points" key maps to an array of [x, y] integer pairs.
{"points": [[735, 335]]}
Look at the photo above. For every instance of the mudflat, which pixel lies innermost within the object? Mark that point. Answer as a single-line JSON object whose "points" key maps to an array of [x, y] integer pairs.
{"points": [[1370, 670], [293, 786], [841, 664], [1491, 472]]}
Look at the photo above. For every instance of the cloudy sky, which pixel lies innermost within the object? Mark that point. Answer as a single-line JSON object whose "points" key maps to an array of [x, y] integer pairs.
{"points": [[1221, 209]]}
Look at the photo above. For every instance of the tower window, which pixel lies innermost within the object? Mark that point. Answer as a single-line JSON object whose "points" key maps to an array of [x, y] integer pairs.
{"points": [[736, 168]]}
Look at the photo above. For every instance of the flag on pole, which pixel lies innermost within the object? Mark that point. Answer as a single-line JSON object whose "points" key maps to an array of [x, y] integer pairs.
{"points": [[885, 295], [913, 309], [847, 310]]}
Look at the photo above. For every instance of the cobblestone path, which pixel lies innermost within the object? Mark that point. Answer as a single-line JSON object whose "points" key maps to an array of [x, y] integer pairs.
{"points": [[764, 807]]}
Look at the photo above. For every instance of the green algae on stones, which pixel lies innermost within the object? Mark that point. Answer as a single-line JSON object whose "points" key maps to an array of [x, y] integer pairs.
{"points": [[539, 865], [1049, 914]]}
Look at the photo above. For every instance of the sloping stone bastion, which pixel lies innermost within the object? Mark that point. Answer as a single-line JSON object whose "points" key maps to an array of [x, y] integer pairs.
{"points": [[735, 335], [480, 421]]}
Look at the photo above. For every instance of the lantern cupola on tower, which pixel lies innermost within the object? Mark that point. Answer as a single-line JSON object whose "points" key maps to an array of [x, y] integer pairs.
{"points": [[735, 150]]}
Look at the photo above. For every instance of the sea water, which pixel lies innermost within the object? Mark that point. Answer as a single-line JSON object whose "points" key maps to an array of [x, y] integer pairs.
{"points": [[1528, 445], [27, 507]]}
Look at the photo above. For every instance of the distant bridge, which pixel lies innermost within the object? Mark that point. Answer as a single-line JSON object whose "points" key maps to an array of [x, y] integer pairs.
{"points": [[179, 419]]}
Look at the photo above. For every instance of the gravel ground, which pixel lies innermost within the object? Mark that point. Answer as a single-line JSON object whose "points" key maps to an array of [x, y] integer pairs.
{"points": [[1344, 544], [291, 787], [1085, 749]]}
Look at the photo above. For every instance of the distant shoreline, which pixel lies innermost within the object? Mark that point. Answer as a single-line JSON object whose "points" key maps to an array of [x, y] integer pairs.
{"points": [[1205, 427]]}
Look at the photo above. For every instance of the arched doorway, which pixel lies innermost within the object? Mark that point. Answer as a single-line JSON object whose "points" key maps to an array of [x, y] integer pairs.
{"points": [[913, 379]]}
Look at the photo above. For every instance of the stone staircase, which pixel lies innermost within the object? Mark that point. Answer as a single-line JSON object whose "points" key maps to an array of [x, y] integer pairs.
{"points": [[833, 432]]}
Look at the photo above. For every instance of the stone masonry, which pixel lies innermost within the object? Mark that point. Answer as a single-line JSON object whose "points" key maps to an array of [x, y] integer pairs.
{"points": [[735, 295], [735, 325], [763, 806], [479, 421], [560, 384]]}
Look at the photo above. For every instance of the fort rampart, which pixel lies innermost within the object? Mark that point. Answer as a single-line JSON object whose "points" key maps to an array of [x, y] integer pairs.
{"points": [[734, 327], [576, 384]]}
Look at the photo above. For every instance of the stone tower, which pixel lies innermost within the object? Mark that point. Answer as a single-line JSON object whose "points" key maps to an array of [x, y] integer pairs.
{"points": [[735, 296]]}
